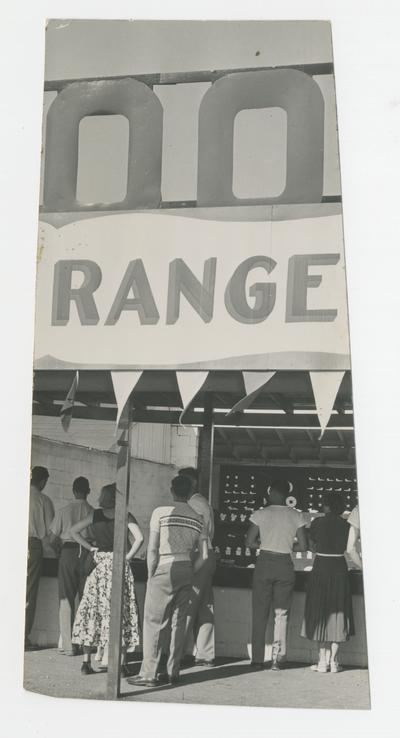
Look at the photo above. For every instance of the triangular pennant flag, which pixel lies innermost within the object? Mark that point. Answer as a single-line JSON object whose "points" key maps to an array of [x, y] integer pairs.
{"points": [[66, 410], [325, 388], [189, 384], [124, 384], [253, 383]]}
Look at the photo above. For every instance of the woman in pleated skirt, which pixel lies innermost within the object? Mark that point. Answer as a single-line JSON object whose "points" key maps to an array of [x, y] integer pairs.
{"points": [[328, 617]]}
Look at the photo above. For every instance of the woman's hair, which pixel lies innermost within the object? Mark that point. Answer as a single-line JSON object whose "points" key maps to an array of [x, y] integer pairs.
{"points": [[107, 496], [334, 501]]}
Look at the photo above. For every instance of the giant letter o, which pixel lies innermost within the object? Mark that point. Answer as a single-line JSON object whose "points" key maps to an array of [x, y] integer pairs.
{"points": [[295, 92], [144, 112]]}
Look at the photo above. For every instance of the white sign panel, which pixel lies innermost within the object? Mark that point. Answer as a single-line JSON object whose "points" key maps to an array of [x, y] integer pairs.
{"points": [[151, 290]]}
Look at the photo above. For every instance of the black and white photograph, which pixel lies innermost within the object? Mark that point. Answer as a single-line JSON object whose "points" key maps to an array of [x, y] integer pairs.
{"points": [[194, 506]]}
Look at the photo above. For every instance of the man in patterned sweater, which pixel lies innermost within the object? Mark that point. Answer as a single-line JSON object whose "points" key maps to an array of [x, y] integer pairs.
{"points": [[177, 549]]}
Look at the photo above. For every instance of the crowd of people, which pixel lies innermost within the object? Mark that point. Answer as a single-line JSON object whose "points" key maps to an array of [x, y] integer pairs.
{"points": [[178, 621]]}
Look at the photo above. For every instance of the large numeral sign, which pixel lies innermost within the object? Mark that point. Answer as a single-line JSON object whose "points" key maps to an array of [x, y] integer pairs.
{"points": [[138, 103], [299, 96], [294, 91]]}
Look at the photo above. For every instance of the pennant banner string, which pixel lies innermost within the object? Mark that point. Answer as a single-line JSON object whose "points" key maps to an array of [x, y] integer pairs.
{"points": [[189, 384], [67, 408], [325, 387], [253, 383], [124, 383]]}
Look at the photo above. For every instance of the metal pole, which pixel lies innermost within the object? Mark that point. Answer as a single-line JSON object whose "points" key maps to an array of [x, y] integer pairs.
{"points": [[118, 572], [206, 448]]}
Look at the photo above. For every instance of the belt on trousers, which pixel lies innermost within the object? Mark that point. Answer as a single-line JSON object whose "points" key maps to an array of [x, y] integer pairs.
{"points": [[331, 556], [70, 544], [172, 558], [273, 553]]}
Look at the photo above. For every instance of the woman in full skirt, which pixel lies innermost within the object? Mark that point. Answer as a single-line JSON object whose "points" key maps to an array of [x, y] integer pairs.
{"points": [[92, 622]]}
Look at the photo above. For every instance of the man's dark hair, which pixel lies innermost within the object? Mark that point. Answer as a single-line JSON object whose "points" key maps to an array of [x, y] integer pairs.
{"points": [[189, 471], [335, 502], [181, 486], [80, 486], [280, 487], [39, 474]]}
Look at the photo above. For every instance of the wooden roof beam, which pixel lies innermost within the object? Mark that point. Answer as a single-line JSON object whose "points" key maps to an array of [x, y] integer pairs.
{"points": [[282, 402], [229, 443]]}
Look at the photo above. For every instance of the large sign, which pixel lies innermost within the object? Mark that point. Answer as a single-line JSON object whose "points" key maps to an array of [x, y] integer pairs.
{"points": [[159, 290], [294, 92], [219, 282]]}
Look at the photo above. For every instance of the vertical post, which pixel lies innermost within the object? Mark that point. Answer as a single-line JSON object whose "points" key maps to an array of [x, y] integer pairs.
{"points": [[118, 572], [206, 448]]}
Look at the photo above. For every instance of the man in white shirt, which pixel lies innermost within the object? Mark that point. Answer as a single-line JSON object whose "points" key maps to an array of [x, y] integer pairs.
{"points": [[200, 640], [41, 513], [273, 530], [71, 576]]}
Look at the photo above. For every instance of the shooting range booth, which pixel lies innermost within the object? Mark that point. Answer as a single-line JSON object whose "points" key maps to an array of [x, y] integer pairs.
{"points": [[245, 440]]}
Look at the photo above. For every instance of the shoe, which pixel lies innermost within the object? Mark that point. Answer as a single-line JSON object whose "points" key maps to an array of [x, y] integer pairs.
{"points": [[187, 660], [335, 667], [321, 668], [139, 681], [165, 678], [276, 666], [87, 669], [204, 662], [257, 666]]}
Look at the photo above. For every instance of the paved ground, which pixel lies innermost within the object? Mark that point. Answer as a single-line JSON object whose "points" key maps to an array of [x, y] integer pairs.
{"points": [[229, 683]]}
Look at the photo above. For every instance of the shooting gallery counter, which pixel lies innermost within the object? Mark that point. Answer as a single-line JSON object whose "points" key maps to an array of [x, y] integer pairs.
{"points": [[232, 594]]}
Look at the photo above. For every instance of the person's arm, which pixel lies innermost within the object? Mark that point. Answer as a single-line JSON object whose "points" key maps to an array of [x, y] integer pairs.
{"points": [[311, 533], [201, 555], [53, 537], [302, 539], [253, 537], [152, 551], [78, 528], [351, 547], [137, 535], [48, 518]]}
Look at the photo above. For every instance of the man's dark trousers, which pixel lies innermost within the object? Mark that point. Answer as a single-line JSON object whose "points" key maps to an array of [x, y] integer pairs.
{"points": [[273, 585], [71, 581], [34, 570]]}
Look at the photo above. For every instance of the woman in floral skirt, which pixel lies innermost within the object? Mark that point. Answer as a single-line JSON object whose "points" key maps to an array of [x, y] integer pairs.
{"points": [[92, 622]]}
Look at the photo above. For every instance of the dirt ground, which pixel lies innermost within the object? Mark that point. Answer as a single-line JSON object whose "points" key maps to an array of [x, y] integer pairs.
{"points": [[231, 682]]}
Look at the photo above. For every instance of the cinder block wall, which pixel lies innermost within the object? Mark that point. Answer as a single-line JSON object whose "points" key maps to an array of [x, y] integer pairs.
{"points": [[149, 488]]}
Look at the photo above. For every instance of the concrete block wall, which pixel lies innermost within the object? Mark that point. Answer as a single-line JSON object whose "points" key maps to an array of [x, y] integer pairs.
{"points": [[149, 488]]}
